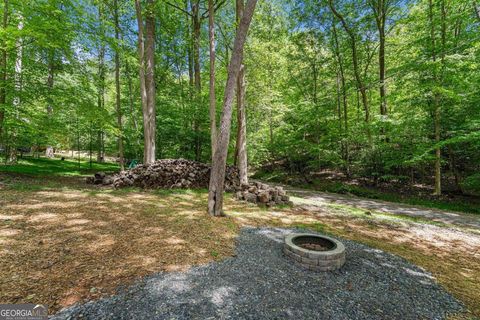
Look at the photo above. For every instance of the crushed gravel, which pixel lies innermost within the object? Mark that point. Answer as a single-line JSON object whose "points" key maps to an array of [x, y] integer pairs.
{"points": [[260, 283]]}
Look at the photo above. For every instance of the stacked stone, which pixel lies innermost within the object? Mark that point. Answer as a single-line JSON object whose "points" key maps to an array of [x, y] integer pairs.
{"points": [[262, 194], [325, 260], [167, 174]]}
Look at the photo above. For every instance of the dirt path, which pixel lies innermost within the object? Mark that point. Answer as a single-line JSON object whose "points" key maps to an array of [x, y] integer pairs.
{"points": [[322, 199]]}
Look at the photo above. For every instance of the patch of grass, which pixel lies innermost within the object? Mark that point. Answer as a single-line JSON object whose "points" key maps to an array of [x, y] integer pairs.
{"points": [[377, 215], [317, 227], [168, 192], [56, 167]]}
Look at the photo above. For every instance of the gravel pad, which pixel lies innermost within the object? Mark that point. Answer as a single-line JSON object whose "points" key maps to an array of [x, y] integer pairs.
{"points": [[260, 283]]}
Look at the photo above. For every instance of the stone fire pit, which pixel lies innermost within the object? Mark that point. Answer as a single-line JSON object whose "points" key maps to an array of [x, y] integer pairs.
{"points": [[314, 252]]}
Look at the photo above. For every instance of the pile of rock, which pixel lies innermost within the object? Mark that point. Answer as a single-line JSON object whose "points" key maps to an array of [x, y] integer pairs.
{"points": [[167, 174], [185, 174], [100, 178], [262, 194]]}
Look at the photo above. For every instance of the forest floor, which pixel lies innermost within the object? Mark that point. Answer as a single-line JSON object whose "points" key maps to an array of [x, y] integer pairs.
{"points": [[63, 241]]}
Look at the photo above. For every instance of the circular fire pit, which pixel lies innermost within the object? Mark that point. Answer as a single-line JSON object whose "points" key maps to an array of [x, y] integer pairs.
{"points": [[318, 253]]}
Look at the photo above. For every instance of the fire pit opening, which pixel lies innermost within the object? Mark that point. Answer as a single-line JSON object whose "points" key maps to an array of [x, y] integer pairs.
{"points": [[315, 252], [314, 243]]}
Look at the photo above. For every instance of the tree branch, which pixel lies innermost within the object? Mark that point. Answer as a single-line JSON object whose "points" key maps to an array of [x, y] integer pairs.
{"points": [[178, 8], [217, 6]]}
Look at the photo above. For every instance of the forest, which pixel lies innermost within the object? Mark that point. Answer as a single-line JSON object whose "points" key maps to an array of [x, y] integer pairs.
{"points": [[128, 127], [380, 89]]}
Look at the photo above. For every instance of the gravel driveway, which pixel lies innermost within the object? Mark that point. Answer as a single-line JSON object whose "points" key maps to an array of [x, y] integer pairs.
{"points": [[321, 199], [259, 283]]}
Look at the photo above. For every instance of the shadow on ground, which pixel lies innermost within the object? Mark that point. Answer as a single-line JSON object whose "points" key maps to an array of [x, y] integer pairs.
{"points": [[260, 283]]}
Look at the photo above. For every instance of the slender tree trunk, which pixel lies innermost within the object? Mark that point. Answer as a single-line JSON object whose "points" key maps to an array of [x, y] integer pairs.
{"points": [[51, 74], [213, 101], [344, 99], [241, 144], [117, 88], [196, 25], [12, 157], [147, 93], [101, 87], [133, 113], [217, 176], [356, 68], [149, 155], [436, 104], [380, 11], [189, 49], [3, 72]]}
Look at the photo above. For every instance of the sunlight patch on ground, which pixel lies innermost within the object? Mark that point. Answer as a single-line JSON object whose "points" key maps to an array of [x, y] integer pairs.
{"points": [[75, 240]]}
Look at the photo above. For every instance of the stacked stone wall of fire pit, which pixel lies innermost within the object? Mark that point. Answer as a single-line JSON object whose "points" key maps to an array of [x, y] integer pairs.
{"points": [[314, 252], [262, 194]]}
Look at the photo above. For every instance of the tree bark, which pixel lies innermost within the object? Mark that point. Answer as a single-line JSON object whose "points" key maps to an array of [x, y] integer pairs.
{"points": [[196, 24], [346, 156], [150, 83], [189, 48], [51, 74], [3, 72], [436, 105], [356, 68], [12, 156], [101, 87], [213, 101], [117, 87], [241, 143], [217, 176], [146, 57], [380, 11]]}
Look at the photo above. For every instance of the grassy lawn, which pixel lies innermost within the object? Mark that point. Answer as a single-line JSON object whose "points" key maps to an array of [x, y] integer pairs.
{"points": [[63, 241], [57, 167]]}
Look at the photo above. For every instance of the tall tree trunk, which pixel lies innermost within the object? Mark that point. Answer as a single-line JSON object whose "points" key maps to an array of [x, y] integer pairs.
{"points": [[145, 89], [189, 48], [12, 157], [150, 125], [241, 144], [3, 72], [436, 105], [132, 107], [101, 87], [346, 156], [217, 176], [213, 101], [196, 25], [379, 8], [380, 12], [51, 74], [117, 87], [356, 67]]}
